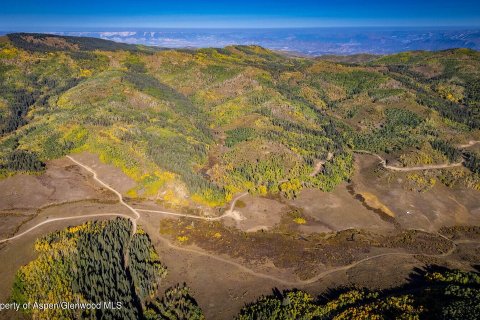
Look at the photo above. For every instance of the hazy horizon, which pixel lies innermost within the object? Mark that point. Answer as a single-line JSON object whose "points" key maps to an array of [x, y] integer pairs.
{"points": [[310, 27], [307, 41]]}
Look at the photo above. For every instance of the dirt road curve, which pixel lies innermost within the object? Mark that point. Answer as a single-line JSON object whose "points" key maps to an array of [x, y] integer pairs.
{"points": [[228, 213], [118, 194], [469, 144], [383, 162], [65, 218]]}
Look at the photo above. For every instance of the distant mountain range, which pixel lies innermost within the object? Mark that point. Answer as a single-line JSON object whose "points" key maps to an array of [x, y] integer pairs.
{"points": [[310, 41]]}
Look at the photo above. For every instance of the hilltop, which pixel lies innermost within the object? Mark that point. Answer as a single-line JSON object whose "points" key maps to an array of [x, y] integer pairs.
{"points": [[50, 42]]}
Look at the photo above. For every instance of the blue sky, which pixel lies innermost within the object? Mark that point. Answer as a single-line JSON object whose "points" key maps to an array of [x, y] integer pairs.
{"points": [[30, 15]]}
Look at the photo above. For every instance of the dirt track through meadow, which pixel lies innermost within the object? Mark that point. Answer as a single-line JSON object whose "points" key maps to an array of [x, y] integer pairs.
{"points": [[228, 213], [384, 164]]}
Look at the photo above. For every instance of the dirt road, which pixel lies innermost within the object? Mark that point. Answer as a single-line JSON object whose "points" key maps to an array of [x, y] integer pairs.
{"points": [[383, 162], [228, 213]]}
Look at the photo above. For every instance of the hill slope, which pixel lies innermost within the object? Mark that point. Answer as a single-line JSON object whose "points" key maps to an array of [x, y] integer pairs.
{"points": [[196, 127]]}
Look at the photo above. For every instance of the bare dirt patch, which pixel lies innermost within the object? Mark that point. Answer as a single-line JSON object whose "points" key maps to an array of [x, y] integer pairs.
{"points": [[429, 210], [108, 173], [336, 210], [11, 221], [257, 213], [392, 271], [62, 182]]}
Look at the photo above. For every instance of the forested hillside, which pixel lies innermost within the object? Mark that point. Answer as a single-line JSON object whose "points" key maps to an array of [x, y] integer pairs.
{"points": [[100, 262], [196, 127]]}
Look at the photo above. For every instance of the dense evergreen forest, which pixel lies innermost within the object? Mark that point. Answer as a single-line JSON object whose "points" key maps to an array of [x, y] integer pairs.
{"points": [[99, 262]]}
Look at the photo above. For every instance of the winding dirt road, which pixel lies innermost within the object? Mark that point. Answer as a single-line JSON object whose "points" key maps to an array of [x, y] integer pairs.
{"points": [[63, 219], [383, 162], [228, 213], [118, 194], [469, 144]]}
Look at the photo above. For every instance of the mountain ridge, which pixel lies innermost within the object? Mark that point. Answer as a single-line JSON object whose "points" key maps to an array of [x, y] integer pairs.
{"points": [[197, 126]]}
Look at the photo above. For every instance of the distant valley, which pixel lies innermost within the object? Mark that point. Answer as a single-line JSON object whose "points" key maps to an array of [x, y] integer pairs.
{"points": [[305, 41]]}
